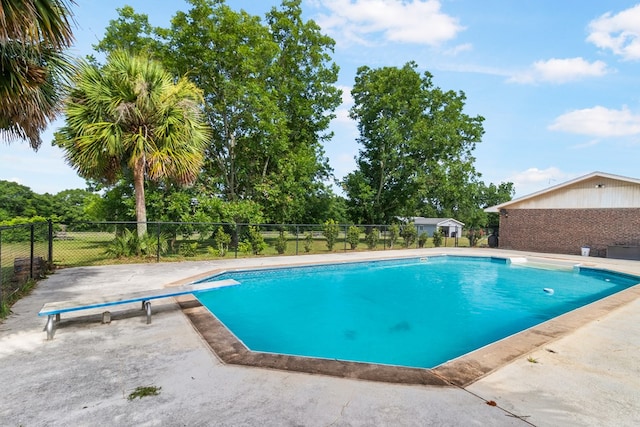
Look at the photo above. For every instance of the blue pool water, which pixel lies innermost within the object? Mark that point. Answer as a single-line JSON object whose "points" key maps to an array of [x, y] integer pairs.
{"points": [[410, 312]]}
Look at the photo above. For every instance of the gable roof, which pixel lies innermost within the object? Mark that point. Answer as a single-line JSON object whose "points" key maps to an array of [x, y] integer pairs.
{"points": [[603, 175], [419, 220]]}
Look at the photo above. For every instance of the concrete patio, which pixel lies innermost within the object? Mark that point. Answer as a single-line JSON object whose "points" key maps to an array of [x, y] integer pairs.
{"points": [[588, 376]]}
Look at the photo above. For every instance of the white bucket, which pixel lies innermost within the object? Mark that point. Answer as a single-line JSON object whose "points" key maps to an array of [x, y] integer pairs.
{"points": [[585, 251]]}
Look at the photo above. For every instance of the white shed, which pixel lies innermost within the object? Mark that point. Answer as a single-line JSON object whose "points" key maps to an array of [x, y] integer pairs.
{"points": [[450, 227]]}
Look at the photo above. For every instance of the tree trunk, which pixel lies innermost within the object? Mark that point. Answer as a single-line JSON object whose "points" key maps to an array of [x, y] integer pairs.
{"points": [[138, 189]]}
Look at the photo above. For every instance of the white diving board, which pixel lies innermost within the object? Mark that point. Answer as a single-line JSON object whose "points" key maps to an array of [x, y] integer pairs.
{"points": [[54, 309]]}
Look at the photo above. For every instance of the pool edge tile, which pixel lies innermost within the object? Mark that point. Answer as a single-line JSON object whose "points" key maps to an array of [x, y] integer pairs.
{"points": [[231, 351]]}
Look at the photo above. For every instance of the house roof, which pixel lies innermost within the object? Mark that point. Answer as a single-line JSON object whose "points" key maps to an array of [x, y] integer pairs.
{"points": [[419, 220], [496, 208]]}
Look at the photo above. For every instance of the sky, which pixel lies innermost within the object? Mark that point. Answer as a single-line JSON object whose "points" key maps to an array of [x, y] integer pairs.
{"points": [[556, 81]]}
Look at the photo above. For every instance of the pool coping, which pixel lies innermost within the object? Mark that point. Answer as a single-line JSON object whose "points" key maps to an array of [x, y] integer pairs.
{"points": [[459, 372]]}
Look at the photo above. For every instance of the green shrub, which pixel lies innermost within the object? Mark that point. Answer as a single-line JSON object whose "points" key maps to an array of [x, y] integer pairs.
{"points": [[437, 238], [353, 236], [474, 235], [422, 239], [120, 246], [189, 249], [128, 244], [372, 238], [244, 247], [281, 242], [148, 245], [331, 230], [4, 309], [394, 232], [221, 241], [409, 234], [308, 242], [255, 240]]}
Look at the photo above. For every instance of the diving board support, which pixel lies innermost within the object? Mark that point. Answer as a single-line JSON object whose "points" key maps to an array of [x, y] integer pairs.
{"points": [[50, 327], [53, 310], [147, 309]]}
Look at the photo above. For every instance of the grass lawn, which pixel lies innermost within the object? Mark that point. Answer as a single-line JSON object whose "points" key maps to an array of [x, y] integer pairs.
{"points": [[82, 249]]}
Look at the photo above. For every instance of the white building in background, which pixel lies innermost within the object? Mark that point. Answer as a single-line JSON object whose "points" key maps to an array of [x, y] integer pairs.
{"points": [[450, 227]]}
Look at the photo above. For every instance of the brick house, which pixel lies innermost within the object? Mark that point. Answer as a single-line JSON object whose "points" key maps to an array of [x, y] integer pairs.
{"points": [[599, 210]]}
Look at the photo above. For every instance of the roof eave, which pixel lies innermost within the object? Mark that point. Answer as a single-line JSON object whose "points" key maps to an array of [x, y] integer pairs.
{"points": [[496, 208]]}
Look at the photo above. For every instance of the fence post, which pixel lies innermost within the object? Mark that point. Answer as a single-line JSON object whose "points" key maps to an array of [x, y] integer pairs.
{"points": [[345, 238], [237, 228], [297, 237], [384, 238], [158, 248], [31, 252], [50, 254]]}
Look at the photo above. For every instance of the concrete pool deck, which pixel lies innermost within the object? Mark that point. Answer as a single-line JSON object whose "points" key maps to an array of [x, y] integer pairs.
{"points": [[587, 375]]}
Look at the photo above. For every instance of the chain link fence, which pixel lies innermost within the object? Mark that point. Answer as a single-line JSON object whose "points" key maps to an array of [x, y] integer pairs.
{"points": [[25, 253], [28, 251], [96, 243]]}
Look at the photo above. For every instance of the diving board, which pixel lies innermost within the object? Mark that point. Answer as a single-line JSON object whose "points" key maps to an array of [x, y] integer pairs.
{"points": [[54, 309]]}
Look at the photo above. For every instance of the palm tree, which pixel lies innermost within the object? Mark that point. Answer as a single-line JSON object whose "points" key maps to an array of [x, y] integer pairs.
{"points": [[131, 115], [33, 36]]}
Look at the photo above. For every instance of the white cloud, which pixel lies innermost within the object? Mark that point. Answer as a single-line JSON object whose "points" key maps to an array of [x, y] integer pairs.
{"points": [[590, 143], [619, 33], [465, 47], [474, 68], [342, 117], [599, 122], [408, 21], [534, 179], [347, 99], [344, 164], [560, 71]]}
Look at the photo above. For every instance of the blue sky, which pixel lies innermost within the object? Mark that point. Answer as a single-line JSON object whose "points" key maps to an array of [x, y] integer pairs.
{"points": [[557, 81]]}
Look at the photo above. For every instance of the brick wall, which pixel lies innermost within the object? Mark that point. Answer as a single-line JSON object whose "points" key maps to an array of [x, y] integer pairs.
{"points": [[565, 231]]}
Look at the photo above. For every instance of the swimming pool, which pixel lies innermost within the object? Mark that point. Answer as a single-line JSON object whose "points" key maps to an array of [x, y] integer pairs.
{"points": [[417, 312]]}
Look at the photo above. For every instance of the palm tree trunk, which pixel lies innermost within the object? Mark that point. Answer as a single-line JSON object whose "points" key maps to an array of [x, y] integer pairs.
{"points": [[138, 189]]}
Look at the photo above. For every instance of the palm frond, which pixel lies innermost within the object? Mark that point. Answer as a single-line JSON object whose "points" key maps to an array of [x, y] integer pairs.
{"points": [[37, 22], [32, 85], [33, 67]]}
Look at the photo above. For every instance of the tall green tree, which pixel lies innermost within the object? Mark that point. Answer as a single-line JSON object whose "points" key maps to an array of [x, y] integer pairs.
{"points": [[303, 82], [132, 115], [229, 55], [33, 36], [492, 195], [453, 190], [417, 145], [132, 32], [73, 207]]}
